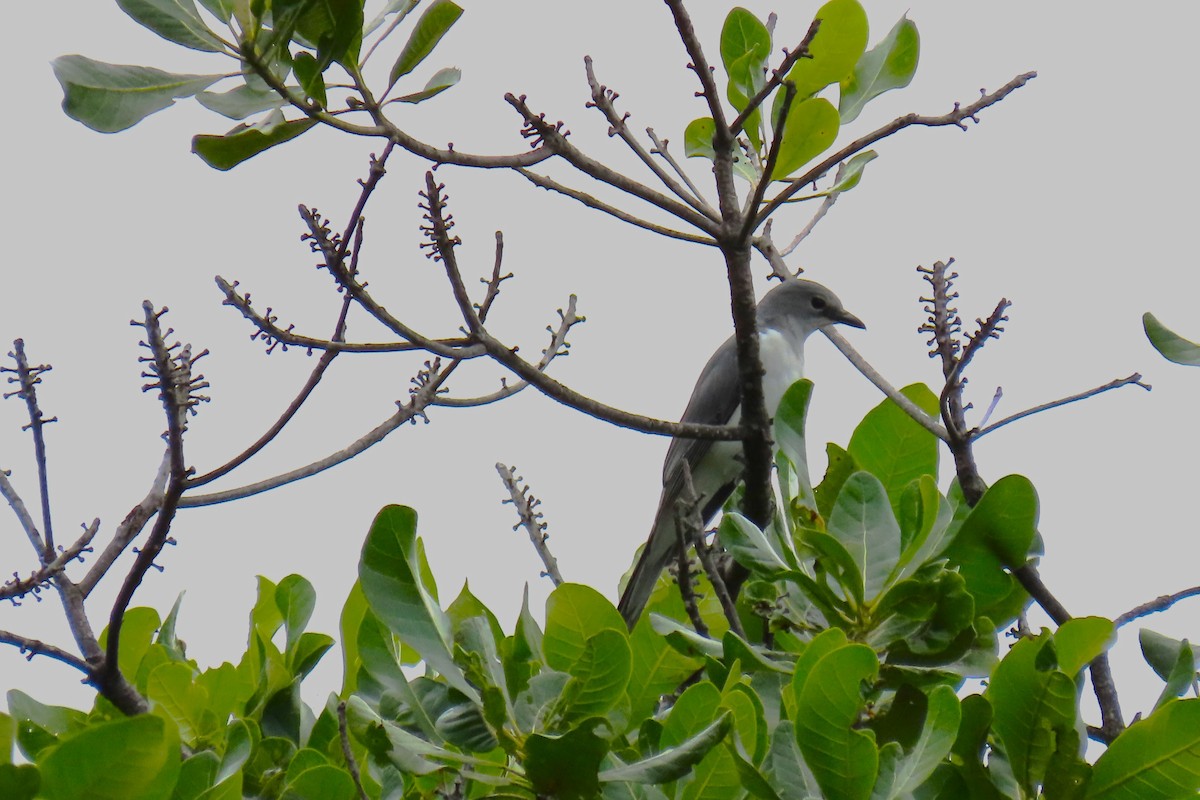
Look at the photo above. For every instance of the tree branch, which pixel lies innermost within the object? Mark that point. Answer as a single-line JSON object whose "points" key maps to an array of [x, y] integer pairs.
{"points": [[1133, 380], [1160, 603], [530, 519], [33, 647]]}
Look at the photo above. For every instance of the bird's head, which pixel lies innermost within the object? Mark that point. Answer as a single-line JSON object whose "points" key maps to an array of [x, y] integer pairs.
{"points": [[804, 304]]}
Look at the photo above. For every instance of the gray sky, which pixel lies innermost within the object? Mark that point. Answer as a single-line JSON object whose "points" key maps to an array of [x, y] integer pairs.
{"points": [[1072, 198]]}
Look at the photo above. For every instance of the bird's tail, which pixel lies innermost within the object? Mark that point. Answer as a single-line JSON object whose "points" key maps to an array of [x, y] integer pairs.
{"points": [[654, 559]]}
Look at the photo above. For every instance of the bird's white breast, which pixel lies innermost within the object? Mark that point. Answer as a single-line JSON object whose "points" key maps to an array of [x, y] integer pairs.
{"points": [[783, 364]]}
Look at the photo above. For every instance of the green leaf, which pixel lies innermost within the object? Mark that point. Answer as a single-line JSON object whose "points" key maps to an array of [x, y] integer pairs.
{"points": [[893, 446], [172, 688], [353, 611], [809, 130], [308, 72], [749, 546], [1034, 707], [1157, 758], [566, 766], [221, 9], [322, 782], [1077, 641], [862, 520], [1169, 344], [19, 781], [385, 740], [1181, 677], [240, 102], [745, 46], [574, 614], [914, 767], [786, 766], [113, 97], [836, 48], [8, 731], [137, 633], [389, 571], [240, 741], [675, 761], [599, 677], [843, 759], [995, 537], [659, 668], [429, 30], [296, 600], [126, 759], [335, 26], [789, 436], [698, 138], [888, 65], [442, 80], [39, 726], [244, 142], [399, 7], [840, 465], [176, 21], [849, 175], [1161, 652]]}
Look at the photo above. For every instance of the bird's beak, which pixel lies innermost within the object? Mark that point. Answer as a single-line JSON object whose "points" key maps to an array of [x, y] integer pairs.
{"points": [[846, 318]]}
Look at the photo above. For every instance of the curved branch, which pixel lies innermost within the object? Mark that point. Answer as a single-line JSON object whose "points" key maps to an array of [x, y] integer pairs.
{"points": [[1160, 603]]}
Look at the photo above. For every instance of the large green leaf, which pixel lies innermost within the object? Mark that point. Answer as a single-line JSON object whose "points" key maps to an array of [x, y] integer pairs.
{"points": [[176, 21], [566, 766], [673, 761], [173, 688], [862, 520], [137, 634], [918, 762], [1077, 641], [893, 446], [390, 576], [786, 767], [1034, 705], [789, 436], [809, 130], [659, 668], [112, 97], [321, 782], [38, 725], [296, 599], [843, 758], [749, 546], [888, 65], [126, 759], [19, 781], [1171, 345], [837, 47], [433, 24], [574, 614], [599, 677], [1157, 758], [742, 35], [240, 102], [995, 537], [244, 142]]}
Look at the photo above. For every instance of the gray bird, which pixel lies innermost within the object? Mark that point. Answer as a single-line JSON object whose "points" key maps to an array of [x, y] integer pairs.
{"points": [[786, 316]]}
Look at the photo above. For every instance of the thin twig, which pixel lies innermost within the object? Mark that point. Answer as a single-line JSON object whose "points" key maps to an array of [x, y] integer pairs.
{"points": [[1160, 603], [924, 420], [955, 117], [1133, 380], [530, 519], [33, 647], [689, 529], [778, 76], [660, 149], [604, 99], [593, 202], [18, 587], [351, 762], [765, 245], [27, 378], [760, 189], [9, 492]]}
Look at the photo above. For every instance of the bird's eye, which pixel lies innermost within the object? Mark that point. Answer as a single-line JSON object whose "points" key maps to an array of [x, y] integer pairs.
{"points": [[818, 303]]}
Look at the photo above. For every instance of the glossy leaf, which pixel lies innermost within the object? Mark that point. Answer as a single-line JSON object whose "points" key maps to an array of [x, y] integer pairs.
{"points": [[40, 725], [113, 97], [574, 614], [1034, 706], [1077, 641], [698, 138], [244, 142], [335, 27], [296, 599], [19, 781], [749, 546], [913, 768], [742, 35], [893, 447], [837, 47], [172, 687], [809, 130], [659, 668], [566, 766], [862, 520], [1169, 344], [789, 435], [442, 80], [839, 465], [674, 761], [786, 766], [599, 677], [136, 758], [176, 21], [996, 536], [1161, 652], [390, 575], [137, 633], [888, 65], [1157, 758], [307, 70], [433, 24], [322, 782], [843, 759]]}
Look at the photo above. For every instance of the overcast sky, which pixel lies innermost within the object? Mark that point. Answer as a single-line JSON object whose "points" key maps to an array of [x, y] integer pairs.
{"points": [[1073, 199]]}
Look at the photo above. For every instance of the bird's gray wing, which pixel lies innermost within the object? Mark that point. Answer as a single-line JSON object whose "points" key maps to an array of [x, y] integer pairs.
{"points": [[715, 398]]}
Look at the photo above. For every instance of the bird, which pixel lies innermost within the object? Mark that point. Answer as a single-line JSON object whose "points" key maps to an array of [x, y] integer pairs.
{"points": [[786, 316]]}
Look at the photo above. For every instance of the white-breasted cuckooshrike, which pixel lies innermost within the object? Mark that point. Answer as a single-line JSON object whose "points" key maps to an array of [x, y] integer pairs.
{"points": [[786, 316]]}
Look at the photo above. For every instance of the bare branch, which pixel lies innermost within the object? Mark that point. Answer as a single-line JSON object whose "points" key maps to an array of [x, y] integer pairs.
{"points": [[660, 149], [603, 98], [129, 528], [955, 117], [33, 647], [1133, 380], [9, 492], [592, 202], [27, 378], [530, 519], [1160, 603], [869, 372], [18, 587], [765, 245]]}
